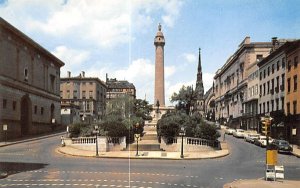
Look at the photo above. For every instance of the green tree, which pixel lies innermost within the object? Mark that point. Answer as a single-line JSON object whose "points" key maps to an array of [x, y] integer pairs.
{"points": [[185, 98], [142, 109]]}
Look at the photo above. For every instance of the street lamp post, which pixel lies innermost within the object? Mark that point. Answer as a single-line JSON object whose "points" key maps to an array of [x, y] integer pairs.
{"points": [[182, 133], [137, 136], [96, 132]]}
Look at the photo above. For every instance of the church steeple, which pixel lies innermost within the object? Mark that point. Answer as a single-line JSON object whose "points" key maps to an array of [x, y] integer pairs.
{"points": [[199, 82]]}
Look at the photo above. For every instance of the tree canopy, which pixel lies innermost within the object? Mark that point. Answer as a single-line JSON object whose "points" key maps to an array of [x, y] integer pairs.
{"points": [[185, 98]]}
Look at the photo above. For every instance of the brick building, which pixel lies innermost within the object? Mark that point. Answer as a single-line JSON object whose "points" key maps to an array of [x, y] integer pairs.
{"points": [[292, 91], [87, 93], [29, 85]]}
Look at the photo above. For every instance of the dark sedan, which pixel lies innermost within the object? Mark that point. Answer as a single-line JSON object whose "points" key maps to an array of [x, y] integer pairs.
{"points": [[282, 146]]}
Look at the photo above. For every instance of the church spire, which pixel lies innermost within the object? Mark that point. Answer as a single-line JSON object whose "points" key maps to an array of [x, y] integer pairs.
{"points": [[199, 82]]}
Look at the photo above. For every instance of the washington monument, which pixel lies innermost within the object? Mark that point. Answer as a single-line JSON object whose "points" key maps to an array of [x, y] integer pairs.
{"points": [[159, 93]]}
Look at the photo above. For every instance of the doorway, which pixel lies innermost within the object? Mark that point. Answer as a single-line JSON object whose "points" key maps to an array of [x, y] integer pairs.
{"points": [[25, 114]]}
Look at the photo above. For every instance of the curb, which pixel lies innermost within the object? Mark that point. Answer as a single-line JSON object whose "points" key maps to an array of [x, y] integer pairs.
{"points": [[3, 175], [135, 157], [32, 139]]}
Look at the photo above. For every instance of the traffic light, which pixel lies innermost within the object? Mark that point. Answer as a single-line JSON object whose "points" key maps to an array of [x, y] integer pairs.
{"points": [[266, 124]]}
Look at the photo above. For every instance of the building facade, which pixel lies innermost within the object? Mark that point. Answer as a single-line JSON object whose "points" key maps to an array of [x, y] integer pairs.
{"points": [[117, 88], [292, 94], [29, 85], [271, 87], [89, 93], [231, 82]]}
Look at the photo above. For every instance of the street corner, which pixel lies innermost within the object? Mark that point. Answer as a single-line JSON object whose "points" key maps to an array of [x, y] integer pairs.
{"points": [[250, 183]]}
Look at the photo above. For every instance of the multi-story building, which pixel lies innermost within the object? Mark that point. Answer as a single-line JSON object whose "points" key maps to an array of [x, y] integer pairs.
{"points": [[117, 88], [89, 93], [292, 94], [271, 87], [231, 82], [29, 85], [209, 99]]}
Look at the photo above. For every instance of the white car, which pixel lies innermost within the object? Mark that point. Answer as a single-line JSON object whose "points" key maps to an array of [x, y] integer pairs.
{"points": [[229, 131], [250, 137], [239, 133], [261, 141]]}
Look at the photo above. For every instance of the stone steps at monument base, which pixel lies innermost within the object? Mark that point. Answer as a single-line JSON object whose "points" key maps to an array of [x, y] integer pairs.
{"points": [[144, 147], [149, 128], [149, 137]]}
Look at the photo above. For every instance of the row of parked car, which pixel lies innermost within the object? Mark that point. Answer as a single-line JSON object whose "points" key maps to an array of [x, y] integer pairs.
{"points": [[260, 140]]}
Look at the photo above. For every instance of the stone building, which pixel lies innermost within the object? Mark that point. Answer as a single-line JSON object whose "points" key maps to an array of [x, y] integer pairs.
{"points": [[89, 93], [117, 88], [209, 104], [292, 94], [29, 85], [231, 82]]}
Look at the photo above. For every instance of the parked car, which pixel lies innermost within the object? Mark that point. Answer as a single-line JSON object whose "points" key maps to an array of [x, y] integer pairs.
{"points": [[229, 131], [218, 126], [250, 137], [239, 133], [282, 146], [261, 141]]}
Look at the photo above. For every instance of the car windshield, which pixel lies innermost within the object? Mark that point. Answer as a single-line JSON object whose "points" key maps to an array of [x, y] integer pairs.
{"points": [[283, 143]]}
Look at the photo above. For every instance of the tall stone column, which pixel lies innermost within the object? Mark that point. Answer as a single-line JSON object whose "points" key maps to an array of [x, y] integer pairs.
{"points": [[159, 93]]}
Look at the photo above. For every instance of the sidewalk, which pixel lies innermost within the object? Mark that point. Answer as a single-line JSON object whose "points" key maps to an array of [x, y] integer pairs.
{"points": [[67, 150], [262, 183], [30, 138], [296, 150]]}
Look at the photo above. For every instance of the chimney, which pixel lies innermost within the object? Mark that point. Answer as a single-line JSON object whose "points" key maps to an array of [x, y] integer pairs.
{"points": [[69, 74], [274, 43], [83, 74]]}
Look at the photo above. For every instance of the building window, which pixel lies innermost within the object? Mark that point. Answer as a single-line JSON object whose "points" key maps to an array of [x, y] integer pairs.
{"points": [[277, 84], [268, 106], [91, 83], [283, 63], [282, 82], [294, 107], [35, 109], [259, 57], [52, 83], [264, 73], [295, 83], [4, 103], [260, 76], [264, 90], [42, 110], [272, 82], [273, 68], [278, 66], [14, 105], [288, 108], [295, 62], [277, 104], [268, 71], [264, 108], [268, 87], [260, 108], [288, 85], [272, 105], [260, 90], [282, 103], [75, 94], [68, 94], [289, 65], [26, 74], [83, 94], [90, 94]]}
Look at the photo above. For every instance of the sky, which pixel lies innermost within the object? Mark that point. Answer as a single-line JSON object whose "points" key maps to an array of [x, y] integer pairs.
{"points": [[116, 37]]}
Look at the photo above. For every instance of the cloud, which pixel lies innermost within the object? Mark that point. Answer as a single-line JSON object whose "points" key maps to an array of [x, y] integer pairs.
{"points": [[190, 57], [103, 23], [208, 79], [72, 58]]}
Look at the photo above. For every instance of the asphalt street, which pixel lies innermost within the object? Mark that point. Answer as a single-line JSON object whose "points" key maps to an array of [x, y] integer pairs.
{"points": [[37, 164]]}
